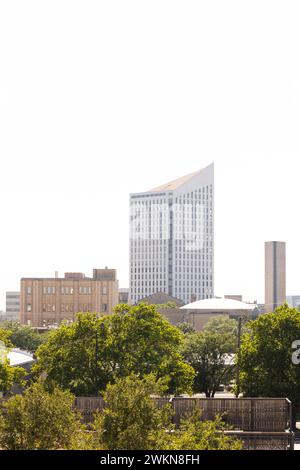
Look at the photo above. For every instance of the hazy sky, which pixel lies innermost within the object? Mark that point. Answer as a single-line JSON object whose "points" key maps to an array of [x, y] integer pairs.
{"points": [[102, 98]]}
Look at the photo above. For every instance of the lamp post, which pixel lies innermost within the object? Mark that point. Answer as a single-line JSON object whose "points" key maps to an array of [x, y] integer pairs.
{"points": [[238, 354]]}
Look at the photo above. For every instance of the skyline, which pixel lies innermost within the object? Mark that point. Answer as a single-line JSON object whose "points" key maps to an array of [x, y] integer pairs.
{"points": [[126, 105]]}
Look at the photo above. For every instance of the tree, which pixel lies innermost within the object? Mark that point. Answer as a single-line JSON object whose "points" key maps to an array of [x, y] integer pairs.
{"points": [[94, 351], [40, 420], [265, 360], [227, 327], [9, 375], [207, 353], [132, 421], [130, 415], [5, 338], [23, 337], [168, 304], [193, 434], [186, 328]]}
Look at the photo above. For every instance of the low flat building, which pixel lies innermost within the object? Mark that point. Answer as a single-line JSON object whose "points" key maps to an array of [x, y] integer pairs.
{"points": [[13, 305], [124, 295], [200, 312], [47, 302]]}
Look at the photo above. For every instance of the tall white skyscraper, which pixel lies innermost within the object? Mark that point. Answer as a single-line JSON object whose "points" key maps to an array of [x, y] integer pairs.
{"points": [[172, 239]]}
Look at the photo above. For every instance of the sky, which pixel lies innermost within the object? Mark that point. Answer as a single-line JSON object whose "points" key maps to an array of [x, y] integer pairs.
{"points": [[99, 99]]}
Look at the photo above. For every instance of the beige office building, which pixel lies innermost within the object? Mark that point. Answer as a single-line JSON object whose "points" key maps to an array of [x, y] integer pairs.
{"points": [[48, 301], [275, 275]]}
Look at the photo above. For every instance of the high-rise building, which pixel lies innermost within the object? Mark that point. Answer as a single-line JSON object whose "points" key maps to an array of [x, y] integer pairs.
{"points": [[172, 239], [48, 301], [275, 275], [13, 305]]}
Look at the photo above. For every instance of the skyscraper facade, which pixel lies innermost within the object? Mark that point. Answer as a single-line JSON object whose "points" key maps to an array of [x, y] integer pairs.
{"points": [[275, 275], [172, 239]]}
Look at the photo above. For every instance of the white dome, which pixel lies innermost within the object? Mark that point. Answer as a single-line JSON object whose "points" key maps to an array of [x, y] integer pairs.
{"points": [[216, 304]]}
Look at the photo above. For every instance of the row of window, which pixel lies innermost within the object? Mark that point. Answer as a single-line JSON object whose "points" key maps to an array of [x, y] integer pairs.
{"points": [[68, 308], [66, 290]]}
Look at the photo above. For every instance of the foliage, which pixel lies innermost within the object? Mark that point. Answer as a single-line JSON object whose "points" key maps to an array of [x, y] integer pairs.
{"points": [[225, 326], [5, 337], [130, 415], [168, 304], [41, 420], [193, 434], [186, 328], [94, 351], [207, 353], [23, 337], [266, 367], [132, 421], [9, 376]]}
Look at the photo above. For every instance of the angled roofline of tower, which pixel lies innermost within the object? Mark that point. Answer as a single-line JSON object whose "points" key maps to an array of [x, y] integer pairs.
{"points": [[175, 184]]}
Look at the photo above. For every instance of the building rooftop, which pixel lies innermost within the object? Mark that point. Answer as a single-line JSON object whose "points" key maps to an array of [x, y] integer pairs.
{"points": [[17, 357], [219, 304], [175, 183]]}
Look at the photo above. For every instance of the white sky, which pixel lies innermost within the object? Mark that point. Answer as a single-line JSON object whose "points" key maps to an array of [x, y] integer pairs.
{"points": [[102, 98]]}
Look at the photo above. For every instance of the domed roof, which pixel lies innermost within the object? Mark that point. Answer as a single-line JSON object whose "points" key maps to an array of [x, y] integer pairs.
{"points": [[220, 304]]}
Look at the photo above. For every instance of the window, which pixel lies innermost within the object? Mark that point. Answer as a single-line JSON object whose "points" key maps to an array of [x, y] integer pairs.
{"points": [[104, 290], [29, 308], [29, 290], [66, 290], [85, 290], [48, 290], [104, 307]]}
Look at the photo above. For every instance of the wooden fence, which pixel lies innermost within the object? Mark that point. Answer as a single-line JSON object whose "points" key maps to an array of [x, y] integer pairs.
{"points": [[264, 440], [244, 414], [261, 423], [87, 406]]}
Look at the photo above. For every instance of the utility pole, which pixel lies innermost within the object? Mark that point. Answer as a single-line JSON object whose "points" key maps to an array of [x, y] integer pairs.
{"points": [[238, 354], [96, 349]]}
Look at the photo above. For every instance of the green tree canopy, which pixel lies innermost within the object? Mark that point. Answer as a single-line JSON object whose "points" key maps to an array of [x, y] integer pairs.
{"points": [[132, 421], [9, 375], [208, 354], [40, 420], [266, 366], [22, 336], [130, 415], [4, 337], [168, 304], [228, 327], [193, 434], [94, 351], [186, 328]]}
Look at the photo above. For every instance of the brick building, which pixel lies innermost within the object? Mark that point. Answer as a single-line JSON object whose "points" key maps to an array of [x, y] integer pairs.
{"points": [[48, 301]]}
